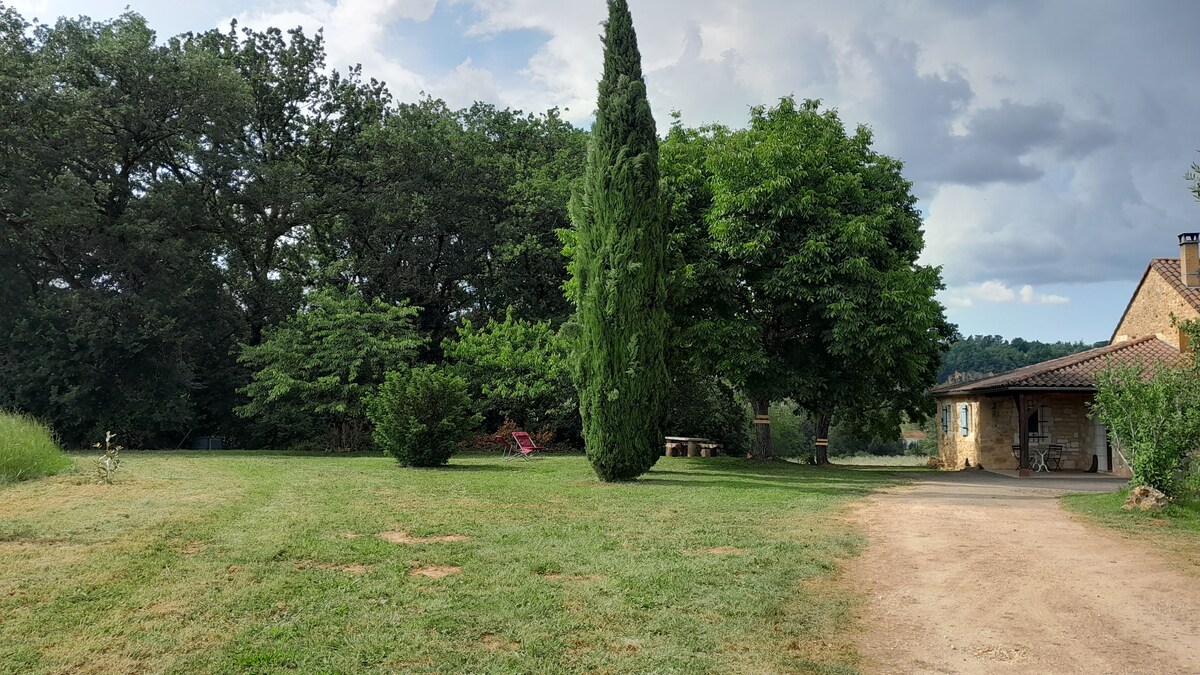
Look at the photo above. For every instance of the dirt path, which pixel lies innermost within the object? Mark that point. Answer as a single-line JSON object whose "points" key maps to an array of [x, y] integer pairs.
{"points": [[977, 573]]}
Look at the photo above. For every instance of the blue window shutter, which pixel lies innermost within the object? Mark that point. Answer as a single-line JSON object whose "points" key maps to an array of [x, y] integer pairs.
{"points": [[963, 418], [945, 419]]}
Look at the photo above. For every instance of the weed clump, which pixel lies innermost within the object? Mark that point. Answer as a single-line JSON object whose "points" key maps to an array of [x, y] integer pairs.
{"points": [[28, 449]]}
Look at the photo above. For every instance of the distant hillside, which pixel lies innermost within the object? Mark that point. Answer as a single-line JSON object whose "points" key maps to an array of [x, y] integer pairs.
{"points": [[982, 355]]}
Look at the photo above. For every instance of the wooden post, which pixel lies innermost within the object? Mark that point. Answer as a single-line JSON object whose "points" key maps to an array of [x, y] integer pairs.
{"points": [[1023, 434]]}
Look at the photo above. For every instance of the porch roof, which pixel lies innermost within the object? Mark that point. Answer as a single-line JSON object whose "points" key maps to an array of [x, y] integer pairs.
{"points": [[1074, 373]]}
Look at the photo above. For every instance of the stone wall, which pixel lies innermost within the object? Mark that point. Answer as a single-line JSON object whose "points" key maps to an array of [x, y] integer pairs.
{"points": [[954, 448], [993, 431], [1151, 309]]}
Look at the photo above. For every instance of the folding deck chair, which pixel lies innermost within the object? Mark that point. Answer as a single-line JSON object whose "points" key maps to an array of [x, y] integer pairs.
{"points": [[525, 446]]}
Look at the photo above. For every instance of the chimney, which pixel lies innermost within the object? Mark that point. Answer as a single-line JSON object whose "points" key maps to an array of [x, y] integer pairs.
{"points": [[1189, 259]]}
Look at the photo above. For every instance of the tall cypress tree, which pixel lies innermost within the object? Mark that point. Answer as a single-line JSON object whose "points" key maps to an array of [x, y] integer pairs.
{"points": [[619, 269]]}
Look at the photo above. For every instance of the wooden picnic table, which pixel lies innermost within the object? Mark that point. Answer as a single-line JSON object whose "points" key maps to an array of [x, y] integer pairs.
{"points": [[695, 446]]}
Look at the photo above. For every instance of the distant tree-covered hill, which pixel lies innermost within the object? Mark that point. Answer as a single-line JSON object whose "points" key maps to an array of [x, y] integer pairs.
{"points": [[982, 355]]}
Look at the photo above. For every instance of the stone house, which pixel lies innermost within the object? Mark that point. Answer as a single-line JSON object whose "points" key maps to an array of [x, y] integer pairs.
{"points": [[978, 423]]}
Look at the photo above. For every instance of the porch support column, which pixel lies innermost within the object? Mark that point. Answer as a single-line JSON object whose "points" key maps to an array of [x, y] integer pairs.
{"points": [[1023, 464]]}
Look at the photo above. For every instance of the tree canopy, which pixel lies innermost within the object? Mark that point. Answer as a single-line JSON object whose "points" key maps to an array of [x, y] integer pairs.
{"points": [[802, 280]]}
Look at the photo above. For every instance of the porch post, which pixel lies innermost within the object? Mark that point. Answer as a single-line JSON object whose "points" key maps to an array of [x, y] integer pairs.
{"points": [[1023, 465]]}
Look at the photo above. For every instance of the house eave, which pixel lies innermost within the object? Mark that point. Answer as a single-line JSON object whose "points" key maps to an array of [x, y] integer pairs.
{"points": [[1004, 390]]}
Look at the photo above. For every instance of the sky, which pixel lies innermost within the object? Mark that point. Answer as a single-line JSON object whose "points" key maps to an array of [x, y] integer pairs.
{"points": [[1047, 141]]}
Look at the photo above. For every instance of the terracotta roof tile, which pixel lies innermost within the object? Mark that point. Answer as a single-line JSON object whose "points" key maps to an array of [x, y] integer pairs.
{"points": [[1076, 371], [1170, 269]]}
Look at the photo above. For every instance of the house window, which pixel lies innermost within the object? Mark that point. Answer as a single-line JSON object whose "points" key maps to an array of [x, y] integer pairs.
{"points": [[1038, 422], [945, 419], [964, 419]]}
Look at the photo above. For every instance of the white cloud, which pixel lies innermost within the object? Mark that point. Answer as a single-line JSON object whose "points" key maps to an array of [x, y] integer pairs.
{"points": [[993, 291], [997, 292]]}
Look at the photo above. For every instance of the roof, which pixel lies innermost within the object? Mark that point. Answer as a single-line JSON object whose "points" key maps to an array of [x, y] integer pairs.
{"points": [[1070, 373], [1171, 270]]}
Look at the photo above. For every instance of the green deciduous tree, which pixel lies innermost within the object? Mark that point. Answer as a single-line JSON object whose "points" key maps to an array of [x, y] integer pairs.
{"points": [[619, 269], [802, 281], [112, 311], [517, 370], [313, 373]]}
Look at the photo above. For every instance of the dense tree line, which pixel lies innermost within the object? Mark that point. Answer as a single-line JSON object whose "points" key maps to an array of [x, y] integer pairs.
{"points": [[215, 234], [163, 204], [978, 356]]}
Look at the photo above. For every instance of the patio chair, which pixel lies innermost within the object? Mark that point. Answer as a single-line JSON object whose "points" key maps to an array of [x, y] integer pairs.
{"points": [[525, 446], [1017, 454], [1054, 457], [508, 446]]}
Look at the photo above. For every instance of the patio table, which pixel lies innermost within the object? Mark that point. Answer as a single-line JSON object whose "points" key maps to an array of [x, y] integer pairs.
{"points": [[1039, 459]]}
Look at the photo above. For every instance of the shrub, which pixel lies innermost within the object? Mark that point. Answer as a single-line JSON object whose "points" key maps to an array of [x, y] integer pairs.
{"points": [[28, 449], [421, 414], [1154, 414]]}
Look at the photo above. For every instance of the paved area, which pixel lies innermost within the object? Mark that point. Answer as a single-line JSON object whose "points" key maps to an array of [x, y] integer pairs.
{"points": [[977, 572]]}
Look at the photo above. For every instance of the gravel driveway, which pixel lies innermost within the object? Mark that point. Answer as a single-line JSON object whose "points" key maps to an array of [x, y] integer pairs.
{"points": [[974, 572]]}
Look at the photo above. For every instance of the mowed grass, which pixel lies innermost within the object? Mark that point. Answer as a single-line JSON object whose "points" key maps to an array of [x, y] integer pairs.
{"points": [[27, 449], [1175, 530], [248, 562]]}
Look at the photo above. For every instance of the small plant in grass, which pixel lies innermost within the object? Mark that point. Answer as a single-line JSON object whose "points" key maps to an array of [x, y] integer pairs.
{"points": [[28, 449], [109, 461], [421, 414]]}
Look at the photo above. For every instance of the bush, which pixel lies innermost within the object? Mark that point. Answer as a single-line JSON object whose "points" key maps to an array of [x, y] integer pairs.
{"points": [[1154, 414], [421, 414], [27, 449]]}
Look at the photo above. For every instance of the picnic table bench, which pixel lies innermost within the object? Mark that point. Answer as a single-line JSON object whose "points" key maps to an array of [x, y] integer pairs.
{"points": [[695, 446]]}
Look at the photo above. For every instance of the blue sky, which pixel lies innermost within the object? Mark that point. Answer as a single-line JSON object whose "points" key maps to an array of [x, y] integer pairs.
{"points": [[1047, 144]]}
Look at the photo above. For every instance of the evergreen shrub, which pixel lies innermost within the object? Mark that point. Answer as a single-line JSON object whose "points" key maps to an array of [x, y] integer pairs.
{"points": [[421, 414]]}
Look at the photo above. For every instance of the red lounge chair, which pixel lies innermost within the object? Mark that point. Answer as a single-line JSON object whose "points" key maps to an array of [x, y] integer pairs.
{"points": [[508, 446], [525, 446]]}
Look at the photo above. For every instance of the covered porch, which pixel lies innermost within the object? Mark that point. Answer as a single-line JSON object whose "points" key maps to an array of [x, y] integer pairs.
{"points": [[1055, 433], [1037, 418]]}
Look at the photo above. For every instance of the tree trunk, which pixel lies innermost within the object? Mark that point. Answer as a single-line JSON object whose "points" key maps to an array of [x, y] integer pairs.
{"points": [[763, 449], [821, 451]]}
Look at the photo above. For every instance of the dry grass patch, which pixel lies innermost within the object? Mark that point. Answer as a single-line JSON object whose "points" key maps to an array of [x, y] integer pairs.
{"points": [[434, 571], [496, 643], [405, 538]]}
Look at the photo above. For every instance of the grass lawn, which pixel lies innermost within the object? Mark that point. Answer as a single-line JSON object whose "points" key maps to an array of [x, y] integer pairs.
{"points": [[1176, 530], [254, 562]]}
